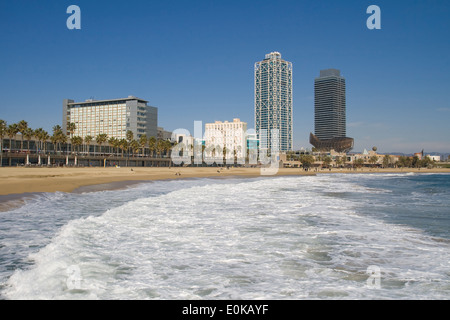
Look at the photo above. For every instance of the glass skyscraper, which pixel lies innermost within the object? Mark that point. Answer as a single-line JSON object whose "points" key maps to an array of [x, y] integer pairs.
{"points": [[330, 112], [329, 105], [273, 102]]}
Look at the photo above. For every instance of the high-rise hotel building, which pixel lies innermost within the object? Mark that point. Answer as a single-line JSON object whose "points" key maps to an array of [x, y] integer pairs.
{"points": [[112, 117], [330, 112], [273, 102]]}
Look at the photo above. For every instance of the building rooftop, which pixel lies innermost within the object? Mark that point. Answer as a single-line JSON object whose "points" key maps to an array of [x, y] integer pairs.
{"points": [[235, 120], [330, 73], [89, 101]]}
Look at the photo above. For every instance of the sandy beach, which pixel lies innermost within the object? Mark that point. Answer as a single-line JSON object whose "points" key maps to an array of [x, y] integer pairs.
{"points": [[25, 180], [19, 180]]}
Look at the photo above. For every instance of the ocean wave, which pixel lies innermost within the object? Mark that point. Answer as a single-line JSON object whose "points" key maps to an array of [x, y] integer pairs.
{"points": [[276, 238]]}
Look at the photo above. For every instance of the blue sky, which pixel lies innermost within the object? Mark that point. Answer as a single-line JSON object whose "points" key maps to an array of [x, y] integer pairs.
{"points": [[194, 61]]}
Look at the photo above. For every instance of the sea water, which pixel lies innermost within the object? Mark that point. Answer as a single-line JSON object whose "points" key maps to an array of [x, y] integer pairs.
{"points": [[336, 236]]}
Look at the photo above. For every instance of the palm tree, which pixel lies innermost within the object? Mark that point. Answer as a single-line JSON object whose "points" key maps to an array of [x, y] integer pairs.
{"points": [[57, 129], [2, 135], [11, 132], [152, 145], [190, 148], [38, 134], [129, 137], [54, 140], [44, 136], [22, 126], [209, 151], [203, 149], [167, 147], [77, 141], [100, 139], [143, 142], [57, 138], [112, 144], [62, 139], [159, 147], [117, 145], [71, 127], [123, 145], [224, 153], [213, 149], [87, 140], [28, 134], [135, 146]]}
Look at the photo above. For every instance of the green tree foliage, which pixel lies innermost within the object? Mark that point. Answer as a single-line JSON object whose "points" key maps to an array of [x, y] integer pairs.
{"points": [[358, 163], [11, 132], [77, 142], [387, 161], [307, 160], [22, 127], [373, 160], [327, 161]]}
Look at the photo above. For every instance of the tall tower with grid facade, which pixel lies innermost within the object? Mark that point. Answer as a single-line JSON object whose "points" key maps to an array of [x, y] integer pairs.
{"points": [[329, 105], [330, 113], [273, 103]]}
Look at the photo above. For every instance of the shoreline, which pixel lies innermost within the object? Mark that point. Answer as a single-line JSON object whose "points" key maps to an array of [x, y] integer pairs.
{"points": [[17, 180], [17, 184]]}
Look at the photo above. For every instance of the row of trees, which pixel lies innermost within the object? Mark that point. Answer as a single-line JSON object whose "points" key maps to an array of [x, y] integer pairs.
{"points": [[415, 162], [12, 130], [387, 161], [132, 146], [402, 162], [128, 145], [308, 160], [79, 144]]}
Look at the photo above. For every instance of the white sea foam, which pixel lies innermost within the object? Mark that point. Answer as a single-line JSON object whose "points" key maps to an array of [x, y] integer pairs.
{"points": [[271, 238]]}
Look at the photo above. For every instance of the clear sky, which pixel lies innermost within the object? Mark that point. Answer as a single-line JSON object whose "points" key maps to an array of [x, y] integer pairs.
{"points": [[194, 60]]}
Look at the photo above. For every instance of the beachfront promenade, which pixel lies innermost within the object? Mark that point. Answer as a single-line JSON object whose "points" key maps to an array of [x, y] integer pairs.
{"points": [[15, 159]]}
